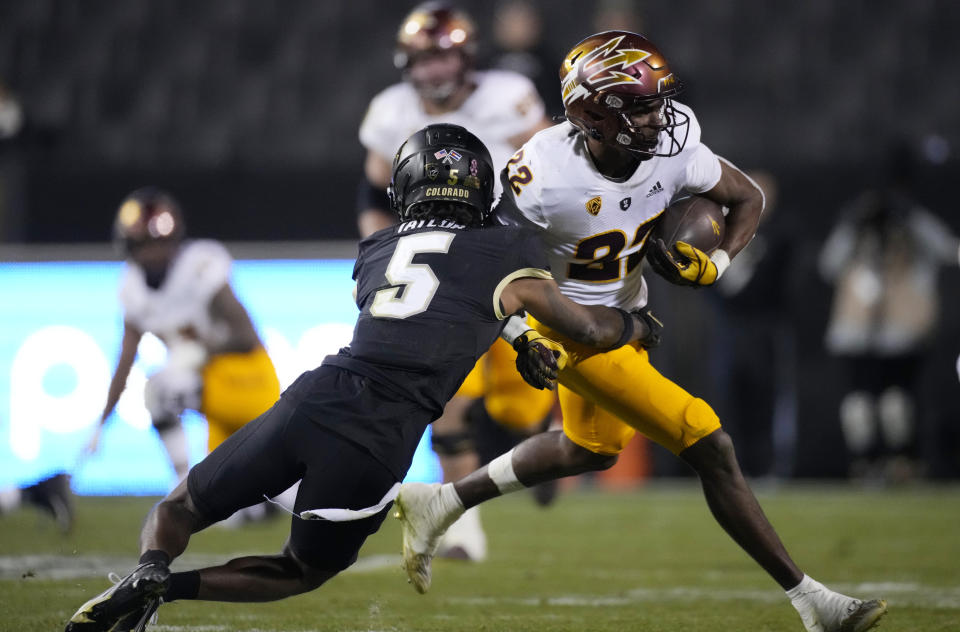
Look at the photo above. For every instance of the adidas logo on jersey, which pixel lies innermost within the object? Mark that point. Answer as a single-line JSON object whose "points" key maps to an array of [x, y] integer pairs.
{"points": [[657, 188]]}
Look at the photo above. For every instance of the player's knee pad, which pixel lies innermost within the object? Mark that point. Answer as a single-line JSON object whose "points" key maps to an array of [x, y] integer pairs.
{"points": [[169, 392], [451, 444], [895, 412], [857, 421]]}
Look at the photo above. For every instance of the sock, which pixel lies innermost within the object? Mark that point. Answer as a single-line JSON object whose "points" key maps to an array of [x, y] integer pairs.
{"points": [[155, 555], [183, 586], [500, 471], [803, 597], [450, 501]]}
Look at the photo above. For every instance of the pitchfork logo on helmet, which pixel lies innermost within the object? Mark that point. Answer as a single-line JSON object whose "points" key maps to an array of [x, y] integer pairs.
{"points": [[599, 70], [610, 74]]}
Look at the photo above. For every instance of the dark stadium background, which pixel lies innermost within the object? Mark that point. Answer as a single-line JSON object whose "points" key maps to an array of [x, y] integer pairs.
{"points": [[248, 111]]}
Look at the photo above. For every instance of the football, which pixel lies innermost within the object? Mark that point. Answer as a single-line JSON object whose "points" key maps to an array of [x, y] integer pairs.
{"points": [[694, 220]]}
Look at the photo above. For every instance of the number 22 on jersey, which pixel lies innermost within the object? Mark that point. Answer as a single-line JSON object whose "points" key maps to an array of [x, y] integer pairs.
{"points": [[417, 281], [522, 177]]}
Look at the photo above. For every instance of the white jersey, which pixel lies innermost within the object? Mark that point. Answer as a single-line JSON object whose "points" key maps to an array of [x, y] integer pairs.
{"points": [[503, 105], [182, 302], [594, 228]]}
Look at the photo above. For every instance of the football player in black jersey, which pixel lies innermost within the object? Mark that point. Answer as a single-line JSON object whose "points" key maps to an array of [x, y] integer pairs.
{"points": [[434, 292]]}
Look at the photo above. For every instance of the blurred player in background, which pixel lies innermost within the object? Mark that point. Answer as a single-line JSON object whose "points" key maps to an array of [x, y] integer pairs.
{"points": [[883, 257], [593, 188], [348, 429], [179, 290], [50, 495], [436, 48]]}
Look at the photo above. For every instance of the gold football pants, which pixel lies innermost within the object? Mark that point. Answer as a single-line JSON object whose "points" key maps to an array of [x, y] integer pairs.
{"points": [[606, 396], [237, 387]]}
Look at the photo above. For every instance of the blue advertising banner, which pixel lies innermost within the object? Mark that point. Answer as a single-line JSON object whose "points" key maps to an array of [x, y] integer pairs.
{"points": [[61, 325]]}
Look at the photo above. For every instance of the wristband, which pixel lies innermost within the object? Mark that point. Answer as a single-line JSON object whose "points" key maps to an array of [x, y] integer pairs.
{"points": [[514, 328], [628, 329], [721, 259]]}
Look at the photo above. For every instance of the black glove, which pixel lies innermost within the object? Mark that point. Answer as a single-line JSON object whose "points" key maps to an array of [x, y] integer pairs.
{"points": [[539, 359], [654, 327]]}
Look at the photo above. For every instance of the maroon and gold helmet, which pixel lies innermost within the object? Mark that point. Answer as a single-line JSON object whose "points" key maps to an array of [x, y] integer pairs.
{"points": [[148, 214], [606, 76], [434, 26]]}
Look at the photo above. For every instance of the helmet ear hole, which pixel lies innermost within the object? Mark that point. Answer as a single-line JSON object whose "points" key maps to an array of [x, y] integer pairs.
{"points": [[594, 115]]}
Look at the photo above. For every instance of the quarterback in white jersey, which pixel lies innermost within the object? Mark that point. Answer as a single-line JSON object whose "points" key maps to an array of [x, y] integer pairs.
{"points": [[435, 48], [180, 292], [593, 188], [502, 108]]}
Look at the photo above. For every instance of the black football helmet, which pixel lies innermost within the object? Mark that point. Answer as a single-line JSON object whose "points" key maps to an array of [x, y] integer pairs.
{"points": [[148, 214], [442, 163]]}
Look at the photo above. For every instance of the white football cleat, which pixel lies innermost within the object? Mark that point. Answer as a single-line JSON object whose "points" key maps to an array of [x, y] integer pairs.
{"points": [[465, 538], [824, 610], [423, 520]]}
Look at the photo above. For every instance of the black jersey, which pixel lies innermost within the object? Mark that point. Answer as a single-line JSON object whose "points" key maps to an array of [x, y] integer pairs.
{"points": [[429, 299]]}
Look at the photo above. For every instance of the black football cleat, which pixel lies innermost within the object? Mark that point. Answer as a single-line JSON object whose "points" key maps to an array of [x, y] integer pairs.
{"points": [[137, 620], [53, 496], [136, 594]]}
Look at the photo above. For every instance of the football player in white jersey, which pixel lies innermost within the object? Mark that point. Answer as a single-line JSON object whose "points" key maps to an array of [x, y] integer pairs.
{"points": [[435, 50], [179, 290], [594, 187]]}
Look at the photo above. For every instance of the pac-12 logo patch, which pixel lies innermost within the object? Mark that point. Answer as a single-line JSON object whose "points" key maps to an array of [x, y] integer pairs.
{"points": [[625, 203], [593, 205]]}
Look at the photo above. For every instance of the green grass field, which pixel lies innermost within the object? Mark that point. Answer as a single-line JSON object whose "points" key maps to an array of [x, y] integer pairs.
{"points": [[651, 560]]}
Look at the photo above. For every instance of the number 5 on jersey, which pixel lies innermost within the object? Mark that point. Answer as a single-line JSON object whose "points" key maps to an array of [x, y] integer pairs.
{"points": [[417, 281]]}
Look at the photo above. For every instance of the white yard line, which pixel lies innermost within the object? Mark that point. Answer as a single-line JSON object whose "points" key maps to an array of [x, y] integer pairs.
{"points": [[84, 566], [896, 593]]}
